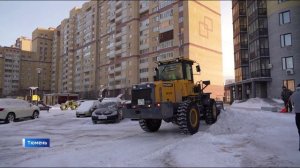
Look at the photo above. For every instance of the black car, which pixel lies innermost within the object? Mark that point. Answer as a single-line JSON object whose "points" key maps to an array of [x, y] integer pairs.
{"points": [[107, 111], [43, 106]]}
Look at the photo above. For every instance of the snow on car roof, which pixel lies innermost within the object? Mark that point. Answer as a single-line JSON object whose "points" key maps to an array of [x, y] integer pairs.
{"points": [[86, 104], [4, 102], [111, 99]]}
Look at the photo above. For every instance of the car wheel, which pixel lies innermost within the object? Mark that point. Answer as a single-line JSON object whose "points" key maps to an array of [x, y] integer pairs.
{"points": [[95, 122], [10, 118], [35, 115]]}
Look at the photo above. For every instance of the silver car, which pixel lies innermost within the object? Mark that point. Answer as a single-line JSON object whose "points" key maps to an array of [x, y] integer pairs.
{"points": [[12, 109], [86, 108]]}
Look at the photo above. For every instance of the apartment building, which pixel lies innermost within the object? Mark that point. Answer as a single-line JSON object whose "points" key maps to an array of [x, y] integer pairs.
{"points": [[10, 70], [136, 34], [24, 43], [56, 64], [115, 44], [21, 68], [42, 46], [75, 52], [266, 48]]}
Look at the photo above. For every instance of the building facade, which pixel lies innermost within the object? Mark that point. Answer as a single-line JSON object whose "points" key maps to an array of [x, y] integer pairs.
{"points": [[42, 40], [21, 68], [115, 44], [265, 56]]}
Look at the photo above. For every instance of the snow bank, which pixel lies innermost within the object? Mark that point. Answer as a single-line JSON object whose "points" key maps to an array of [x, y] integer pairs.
{"points": [[251, 103]]}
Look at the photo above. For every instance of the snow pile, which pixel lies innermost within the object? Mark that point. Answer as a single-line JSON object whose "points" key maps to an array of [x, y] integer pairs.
{"points": [[251, 103], [230, 122]]}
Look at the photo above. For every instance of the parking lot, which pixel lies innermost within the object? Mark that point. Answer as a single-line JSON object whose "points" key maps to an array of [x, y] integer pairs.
{"points": [[239, 138]]}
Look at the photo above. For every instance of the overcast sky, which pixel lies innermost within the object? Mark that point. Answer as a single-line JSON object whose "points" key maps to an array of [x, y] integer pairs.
{"points": [[20, 18]]}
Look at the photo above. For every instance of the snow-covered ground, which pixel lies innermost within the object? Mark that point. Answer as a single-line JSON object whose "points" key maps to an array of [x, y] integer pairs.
{"points": [[241, 137]]}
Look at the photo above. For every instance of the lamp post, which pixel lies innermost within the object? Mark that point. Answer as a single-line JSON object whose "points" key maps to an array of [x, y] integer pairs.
{"points": [[39, 72]]}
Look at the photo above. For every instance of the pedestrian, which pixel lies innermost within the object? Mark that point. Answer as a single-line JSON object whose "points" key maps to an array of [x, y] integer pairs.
{"points": [[285, 96], [295, 99]]}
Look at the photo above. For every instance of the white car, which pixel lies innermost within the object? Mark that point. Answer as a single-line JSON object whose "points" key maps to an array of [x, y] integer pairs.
{"points": [[86, 108], [11, 109]]}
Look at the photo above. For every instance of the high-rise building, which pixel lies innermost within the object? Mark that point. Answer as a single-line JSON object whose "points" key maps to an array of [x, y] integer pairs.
{"points": [[135, 34], [11, 69], [115, 44], [42, 40], [75, 52], [266, 48], [56, 65]]}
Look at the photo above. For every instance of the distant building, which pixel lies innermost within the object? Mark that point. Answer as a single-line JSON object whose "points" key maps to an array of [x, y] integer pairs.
{"points": [[266, 48], [21, 69], [24, 43]]}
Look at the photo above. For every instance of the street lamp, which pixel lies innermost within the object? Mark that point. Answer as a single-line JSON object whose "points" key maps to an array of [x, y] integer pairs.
{"points": [[39, 72]]}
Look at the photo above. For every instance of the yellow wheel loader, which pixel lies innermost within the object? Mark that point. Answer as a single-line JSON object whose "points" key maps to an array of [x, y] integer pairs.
{"points": [[69, 104], [172, 97]]}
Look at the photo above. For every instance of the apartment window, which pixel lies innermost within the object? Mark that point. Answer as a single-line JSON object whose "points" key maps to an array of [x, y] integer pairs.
{"points": [[290, 84], [143, 70], [144, 80], [284, 17], [286, 40], [287, 63], [281, 1]]}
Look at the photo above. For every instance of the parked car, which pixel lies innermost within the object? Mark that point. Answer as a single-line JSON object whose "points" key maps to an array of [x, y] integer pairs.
{"points": [[107, 111], [86, 108], [111, 99], [43, 106], [12, 109]]}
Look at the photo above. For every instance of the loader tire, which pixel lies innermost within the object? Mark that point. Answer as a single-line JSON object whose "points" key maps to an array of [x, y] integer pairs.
{"points": [[63, 107], [150, 125], [211, 113], [188, 117]]}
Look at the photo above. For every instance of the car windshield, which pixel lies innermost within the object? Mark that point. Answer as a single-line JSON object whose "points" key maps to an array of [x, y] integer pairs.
{"points": [[86, 105], [106, 104], [170, 72]]}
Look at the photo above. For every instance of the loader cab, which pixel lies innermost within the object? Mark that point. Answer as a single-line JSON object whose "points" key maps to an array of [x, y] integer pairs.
{"points": [[178, 69]]}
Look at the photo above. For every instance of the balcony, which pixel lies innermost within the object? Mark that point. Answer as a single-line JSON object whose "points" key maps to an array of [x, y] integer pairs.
{"points": [[111, 54], [118, 77], [264, 52], [110, 45], [262, 11], [259, 32], [120, 50], [165, 44], [121, 33], [111, 70], [118, 69], [144, 6], [261, 73], [165, 29]]}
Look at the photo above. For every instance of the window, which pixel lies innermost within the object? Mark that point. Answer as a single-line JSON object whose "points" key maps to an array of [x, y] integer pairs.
{"points": [[284, 17], [290, 84], [287, 63], [286, 40]]}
